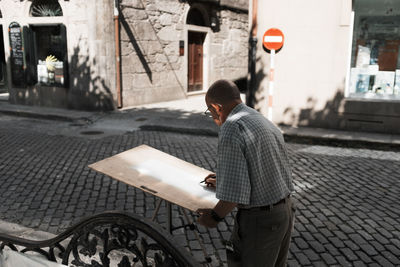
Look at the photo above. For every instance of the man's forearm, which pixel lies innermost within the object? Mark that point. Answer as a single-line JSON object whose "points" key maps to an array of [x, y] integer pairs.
{"points": [[224, 207]]}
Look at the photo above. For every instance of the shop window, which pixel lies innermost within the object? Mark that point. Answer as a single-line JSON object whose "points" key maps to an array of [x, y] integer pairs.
{"points": [[375, 65], [45, 8], [47, 55]]}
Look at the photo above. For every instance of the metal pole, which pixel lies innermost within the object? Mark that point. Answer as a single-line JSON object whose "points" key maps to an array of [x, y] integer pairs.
{"points": [[117, 54], [251, 84], [169, 217], [271, 84], [157, 209]]}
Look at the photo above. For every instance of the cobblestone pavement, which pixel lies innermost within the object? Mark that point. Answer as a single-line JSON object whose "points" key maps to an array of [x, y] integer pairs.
{"points": [[347, 199]]}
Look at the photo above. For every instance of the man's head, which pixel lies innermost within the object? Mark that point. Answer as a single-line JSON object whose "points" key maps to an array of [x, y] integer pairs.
{"points": [[221, 98]]}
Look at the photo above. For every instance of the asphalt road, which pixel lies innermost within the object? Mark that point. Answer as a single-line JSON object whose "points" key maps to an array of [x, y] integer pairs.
{"points": [[348, 211]]}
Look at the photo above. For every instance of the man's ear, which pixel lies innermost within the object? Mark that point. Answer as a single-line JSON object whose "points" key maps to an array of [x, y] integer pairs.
{"points": [[217, 107]]}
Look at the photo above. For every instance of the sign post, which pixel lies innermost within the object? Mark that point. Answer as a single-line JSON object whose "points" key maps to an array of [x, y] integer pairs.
{"points": [[272, 41]]}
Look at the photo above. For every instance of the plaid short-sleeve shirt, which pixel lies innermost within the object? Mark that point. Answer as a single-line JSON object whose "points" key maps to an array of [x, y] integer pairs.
{"points": [[252, 166]]}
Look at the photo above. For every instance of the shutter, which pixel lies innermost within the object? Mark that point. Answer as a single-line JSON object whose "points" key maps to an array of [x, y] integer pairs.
{"points": [[30, 56]]}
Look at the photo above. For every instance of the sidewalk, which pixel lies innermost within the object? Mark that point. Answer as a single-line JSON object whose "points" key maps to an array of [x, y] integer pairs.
{"points": [[186, 116]]}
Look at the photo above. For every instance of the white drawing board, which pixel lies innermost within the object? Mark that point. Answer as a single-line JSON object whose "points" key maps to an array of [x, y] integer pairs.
{"points": [[162, 175]]}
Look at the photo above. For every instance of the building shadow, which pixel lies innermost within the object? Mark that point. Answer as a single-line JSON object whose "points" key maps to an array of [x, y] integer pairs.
{"points": [[135, 45]]}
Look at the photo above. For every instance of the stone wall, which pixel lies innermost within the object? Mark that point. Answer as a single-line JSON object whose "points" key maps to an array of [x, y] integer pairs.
{"points": [[230, 47], [151, 65], [153, 70]]}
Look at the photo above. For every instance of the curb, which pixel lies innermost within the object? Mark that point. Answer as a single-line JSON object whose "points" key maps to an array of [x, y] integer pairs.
{"points": [[340, 142], [41, 116], [193, 131]]}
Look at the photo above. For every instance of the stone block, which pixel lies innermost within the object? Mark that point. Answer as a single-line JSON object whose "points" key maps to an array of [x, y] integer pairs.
{"points": [[143, 30], [168, 6], [168, 33], [165, 19], [134, 14], [132, 4]]}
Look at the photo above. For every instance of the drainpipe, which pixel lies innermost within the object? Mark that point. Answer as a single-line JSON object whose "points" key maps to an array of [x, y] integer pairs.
{"points": [[117, 54], [251, 84]]}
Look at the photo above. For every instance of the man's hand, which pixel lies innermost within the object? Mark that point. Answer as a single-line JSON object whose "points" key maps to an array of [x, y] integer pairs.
{"points": [[210, 180], [205, 218]]}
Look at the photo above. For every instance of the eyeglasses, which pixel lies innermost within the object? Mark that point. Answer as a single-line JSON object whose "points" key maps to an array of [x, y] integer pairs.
{"points": [[208, 113]]}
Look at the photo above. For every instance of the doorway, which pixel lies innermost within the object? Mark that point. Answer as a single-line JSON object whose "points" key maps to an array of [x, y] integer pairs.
{"points": [[195, 60]]}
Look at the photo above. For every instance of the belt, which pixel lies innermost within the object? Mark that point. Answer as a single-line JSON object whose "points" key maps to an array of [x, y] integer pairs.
{"points": [[267, 207]]}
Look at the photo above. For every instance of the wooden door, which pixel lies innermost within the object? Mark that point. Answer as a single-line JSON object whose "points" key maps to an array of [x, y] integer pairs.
{"points": [[195, 61]]}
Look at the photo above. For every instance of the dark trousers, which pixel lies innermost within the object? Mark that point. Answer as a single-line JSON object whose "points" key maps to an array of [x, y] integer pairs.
{"points": [[262, 237]]}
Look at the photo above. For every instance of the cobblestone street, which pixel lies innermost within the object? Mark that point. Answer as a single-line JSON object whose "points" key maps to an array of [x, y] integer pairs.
{"points": [[348, 211]]}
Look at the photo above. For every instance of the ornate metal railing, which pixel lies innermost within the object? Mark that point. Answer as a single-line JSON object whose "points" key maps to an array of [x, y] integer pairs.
{"points": [[108, 239]]}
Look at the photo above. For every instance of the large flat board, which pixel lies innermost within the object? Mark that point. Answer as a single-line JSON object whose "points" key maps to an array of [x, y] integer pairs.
{"points": [[160, 174]]}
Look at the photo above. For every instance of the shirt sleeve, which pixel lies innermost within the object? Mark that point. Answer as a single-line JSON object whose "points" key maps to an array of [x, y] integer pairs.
{"points": [[233, 182]]}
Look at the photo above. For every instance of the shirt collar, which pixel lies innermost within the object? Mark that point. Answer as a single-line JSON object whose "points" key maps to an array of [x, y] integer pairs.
{"points": [[236, 109]]}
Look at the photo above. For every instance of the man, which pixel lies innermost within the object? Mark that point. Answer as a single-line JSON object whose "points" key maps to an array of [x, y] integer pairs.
{"points": [[253, 174]]}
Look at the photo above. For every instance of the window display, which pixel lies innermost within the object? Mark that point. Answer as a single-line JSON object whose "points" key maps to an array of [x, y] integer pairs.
{"points": [[50, 54], [375, 66]]}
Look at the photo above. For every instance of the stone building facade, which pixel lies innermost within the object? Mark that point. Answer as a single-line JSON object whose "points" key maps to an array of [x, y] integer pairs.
{"points": [[158, 36], [169, 49]]}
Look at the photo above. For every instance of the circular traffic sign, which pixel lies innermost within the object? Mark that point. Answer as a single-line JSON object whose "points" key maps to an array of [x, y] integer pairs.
{"points": [[273, 39]]}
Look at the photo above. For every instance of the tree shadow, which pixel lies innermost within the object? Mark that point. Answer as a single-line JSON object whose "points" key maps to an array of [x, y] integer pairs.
{"points": [[87, 91], [327, 117]]}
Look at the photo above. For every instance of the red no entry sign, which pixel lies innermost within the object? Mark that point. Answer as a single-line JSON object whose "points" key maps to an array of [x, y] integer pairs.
{"points": [[273, 39]]}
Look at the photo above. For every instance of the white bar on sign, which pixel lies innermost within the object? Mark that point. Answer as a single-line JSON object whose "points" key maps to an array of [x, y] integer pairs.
{"points": [[273, 39]]}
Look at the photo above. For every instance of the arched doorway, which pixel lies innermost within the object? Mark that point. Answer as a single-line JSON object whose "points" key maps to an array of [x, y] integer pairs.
{"points": [[196, 38]]}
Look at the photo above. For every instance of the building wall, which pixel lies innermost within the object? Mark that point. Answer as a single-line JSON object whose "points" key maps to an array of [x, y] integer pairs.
{"points": [[311, 69], [152, 68], [90, 46]]}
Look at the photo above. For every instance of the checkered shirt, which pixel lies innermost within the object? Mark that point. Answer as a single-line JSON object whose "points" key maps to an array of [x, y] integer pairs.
{"points": [[253, 166]]}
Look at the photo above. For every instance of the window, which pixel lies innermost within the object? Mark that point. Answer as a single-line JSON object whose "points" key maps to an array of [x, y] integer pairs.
{"points": [[47, 55], [375, 61], [45, 8]]}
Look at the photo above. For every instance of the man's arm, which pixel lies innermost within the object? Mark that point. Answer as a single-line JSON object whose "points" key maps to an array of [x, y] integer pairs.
{"points": [[221, 210]]}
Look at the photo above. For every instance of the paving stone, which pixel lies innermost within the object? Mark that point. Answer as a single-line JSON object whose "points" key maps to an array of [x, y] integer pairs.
{"points": [[303, 259], [383, 261], [328, 258], [359, 264], [318, 247], [395, 260], [363, 257], [343, 262], [46, 183], [311, 255], [368, 249]]}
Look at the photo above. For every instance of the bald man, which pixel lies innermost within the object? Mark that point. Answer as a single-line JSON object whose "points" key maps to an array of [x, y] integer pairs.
{"points": [[253, 174]]}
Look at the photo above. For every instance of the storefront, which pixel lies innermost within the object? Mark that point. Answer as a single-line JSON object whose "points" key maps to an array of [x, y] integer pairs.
{"points": [[375, 61], [339, 66], [45, 55]]}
